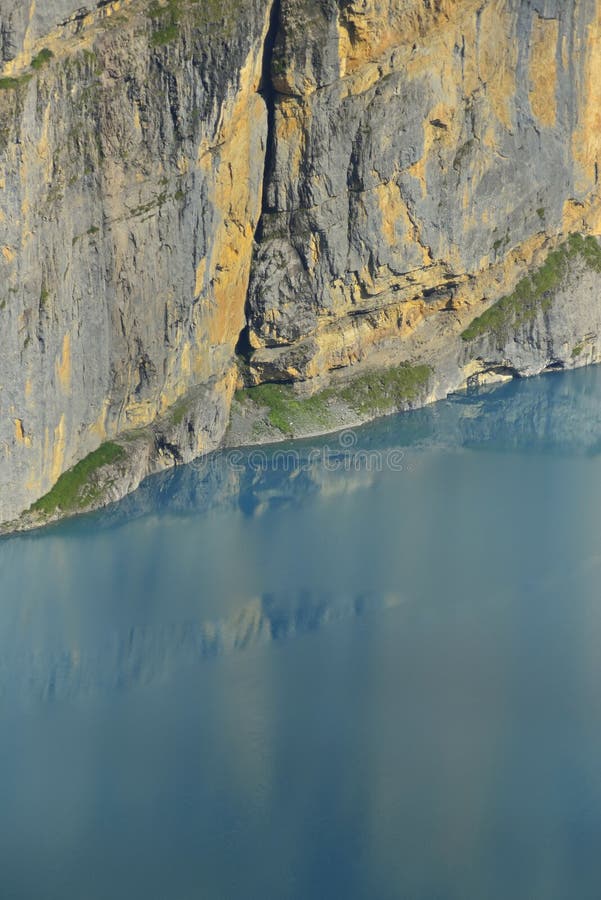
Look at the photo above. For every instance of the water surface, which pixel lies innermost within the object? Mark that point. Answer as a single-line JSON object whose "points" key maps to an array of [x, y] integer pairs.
{"points": [[370, 669]]}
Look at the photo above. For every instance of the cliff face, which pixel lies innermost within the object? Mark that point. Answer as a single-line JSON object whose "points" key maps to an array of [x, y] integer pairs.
{"points": [[131, 176], [23, 22], [326, 185], [415, 146]]}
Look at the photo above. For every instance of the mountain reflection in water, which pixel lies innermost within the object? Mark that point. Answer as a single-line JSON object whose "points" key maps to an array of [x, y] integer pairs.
{"points": [[364, 667]]}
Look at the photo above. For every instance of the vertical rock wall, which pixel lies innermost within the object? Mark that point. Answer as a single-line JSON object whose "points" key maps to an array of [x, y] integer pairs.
{"points": [[131, 171], [344, 181], [422, 154]]}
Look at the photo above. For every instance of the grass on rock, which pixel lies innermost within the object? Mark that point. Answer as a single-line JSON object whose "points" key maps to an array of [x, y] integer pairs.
{"points": [[77, 487], [168, 16], [368, 395], [535, 292], [11, 84], [43, 57], [381, 392], [286, 411]]}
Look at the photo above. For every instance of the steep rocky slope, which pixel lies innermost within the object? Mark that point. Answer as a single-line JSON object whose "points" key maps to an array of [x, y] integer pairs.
{"points": [[197, 194]]}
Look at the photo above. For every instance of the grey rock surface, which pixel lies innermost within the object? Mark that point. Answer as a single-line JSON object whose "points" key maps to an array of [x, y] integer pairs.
{"points": [[131, 174], [22, 22]]}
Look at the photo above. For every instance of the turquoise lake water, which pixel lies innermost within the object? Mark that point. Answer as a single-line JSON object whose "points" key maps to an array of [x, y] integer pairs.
{"points": [[368, 667]]}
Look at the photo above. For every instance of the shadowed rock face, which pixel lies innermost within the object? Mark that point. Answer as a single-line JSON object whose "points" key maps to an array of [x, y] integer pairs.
{"points": [[346, 184]]}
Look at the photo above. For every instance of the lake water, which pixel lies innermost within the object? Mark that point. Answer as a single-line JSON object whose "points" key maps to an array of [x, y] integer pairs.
{"points": [[371, 669]]}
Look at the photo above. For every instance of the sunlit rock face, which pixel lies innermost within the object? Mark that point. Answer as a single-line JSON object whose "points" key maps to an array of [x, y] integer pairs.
{"points": [[422, 152], [318, 184], [131, 169]]}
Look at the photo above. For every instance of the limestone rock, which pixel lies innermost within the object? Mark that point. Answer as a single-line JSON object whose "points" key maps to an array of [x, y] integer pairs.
{"points": [[328, 186]]}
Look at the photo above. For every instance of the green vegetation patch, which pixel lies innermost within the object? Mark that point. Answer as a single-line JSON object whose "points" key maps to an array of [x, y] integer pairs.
{"points": [[154, 204], [535, 292], [178, 412], [372, 394], [169, 14], [42, 58], [286, 411], [381, 392], [164, 35], [167, 17], [587, 248], [77, 488], [11, 84]]}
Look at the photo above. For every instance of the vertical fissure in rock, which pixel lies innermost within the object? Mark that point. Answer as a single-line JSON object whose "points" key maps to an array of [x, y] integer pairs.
{"points": [[269, 95]]}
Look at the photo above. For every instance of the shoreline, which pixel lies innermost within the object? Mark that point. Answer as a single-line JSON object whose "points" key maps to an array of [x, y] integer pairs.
{"points": [[547, 324]]}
